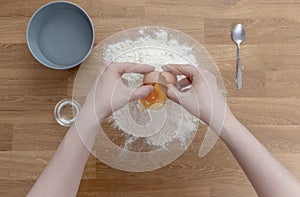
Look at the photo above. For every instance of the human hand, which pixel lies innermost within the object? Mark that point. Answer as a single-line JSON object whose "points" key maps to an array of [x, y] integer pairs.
{"points": [[110, 93], [203, 99]]}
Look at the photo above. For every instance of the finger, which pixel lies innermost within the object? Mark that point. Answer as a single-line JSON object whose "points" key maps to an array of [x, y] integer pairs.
{"points": [[183, 69], [173, 93], [182, 83], [140, 92], [171, 69], [140, 68], [128, 67]]}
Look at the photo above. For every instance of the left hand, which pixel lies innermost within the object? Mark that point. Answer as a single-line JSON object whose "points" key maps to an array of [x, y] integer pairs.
{"points": [[109, 92]]}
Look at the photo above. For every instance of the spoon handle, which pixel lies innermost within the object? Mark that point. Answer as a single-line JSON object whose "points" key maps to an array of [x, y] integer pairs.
{"points": [[239, 70]]}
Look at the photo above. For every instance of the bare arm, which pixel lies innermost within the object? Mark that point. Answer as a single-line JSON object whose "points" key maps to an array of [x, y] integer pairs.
{"points": [[63, 173], [267, 175]]}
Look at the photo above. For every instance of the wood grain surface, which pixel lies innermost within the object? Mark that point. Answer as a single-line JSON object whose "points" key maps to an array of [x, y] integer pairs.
{"points": [[268, 103]]}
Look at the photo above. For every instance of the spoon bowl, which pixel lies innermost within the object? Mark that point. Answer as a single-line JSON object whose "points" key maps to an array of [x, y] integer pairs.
{"points": [[238, 34]]}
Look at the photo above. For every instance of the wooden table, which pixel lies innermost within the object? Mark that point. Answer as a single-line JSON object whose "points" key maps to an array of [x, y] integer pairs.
{"points": [[269, 103]]}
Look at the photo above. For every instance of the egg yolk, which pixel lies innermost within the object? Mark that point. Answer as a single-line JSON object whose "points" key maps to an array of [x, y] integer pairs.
{"points": [[156, 99]]}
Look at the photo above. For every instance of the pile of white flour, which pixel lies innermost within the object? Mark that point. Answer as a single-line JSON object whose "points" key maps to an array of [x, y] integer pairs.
{"points": [[157, 127]]}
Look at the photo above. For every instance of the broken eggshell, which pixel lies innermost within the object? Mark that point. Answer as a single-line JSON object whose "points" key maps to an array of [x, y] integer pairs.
{"points": [[156, 99], [162, 78]]}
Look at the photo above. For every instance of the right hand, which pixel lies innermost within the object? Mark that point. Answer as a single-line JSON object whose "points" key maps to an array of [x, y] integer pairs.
{"points": [[203, 99]]}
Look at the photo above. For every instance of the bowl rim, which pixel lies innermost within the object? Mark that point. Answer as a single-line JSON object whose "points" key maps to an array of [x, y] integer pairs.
{"points": [[59, 66]]}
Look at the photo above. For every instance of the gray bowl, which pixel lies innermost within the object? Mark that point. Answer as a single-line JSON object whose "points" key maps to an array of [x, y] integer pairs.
{"points": [[60, 35]]}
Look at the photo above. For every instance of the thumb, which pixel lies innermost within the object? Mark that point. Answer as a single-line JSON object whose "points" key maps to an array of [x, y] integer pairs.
{"points": [[173, 93], [141, 92]]}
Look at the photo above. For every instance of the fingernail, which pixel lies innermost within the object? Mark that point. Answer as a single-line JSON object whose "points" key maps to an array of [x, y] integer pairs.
{"points": [[164, 67], [147, 65], [150, 89], [170, 85]]}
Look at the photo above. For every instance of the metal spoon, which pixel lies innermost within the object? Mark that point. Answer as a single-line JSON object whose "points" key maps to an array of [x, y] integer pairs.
{"points": [[238, 35]]}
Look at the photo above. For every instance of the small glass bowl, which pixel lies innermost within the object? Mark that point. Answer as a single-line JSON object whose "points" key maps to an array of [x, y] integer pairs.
{"points": [[59, 110]]}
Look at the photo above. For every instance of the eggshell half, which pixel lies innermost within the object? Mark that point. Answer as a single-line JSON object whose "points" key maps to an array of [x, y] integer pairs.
{"points": [[162, 78]]}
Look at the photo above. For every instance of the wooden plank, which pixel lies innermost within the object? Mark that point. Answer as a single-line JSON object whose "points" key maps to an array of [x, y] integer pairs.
{"points": [[23, 165], [258, 31], [28, 164], [38, 136], [99, 188], [17, 56], [223, 9], [6, 137], [15, 188], [29, 117], [278, 81], [121, 24], [278, 139], [13, 29], [266, 57], [237, 189], [266, 111], [254, 84], [101, 9], [23, 94]]}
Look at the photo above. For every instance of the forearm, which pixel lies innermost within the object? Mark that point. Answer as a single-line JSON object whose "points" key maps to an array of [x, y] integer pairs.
{"points": [[63, 173], [267, 175]]}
